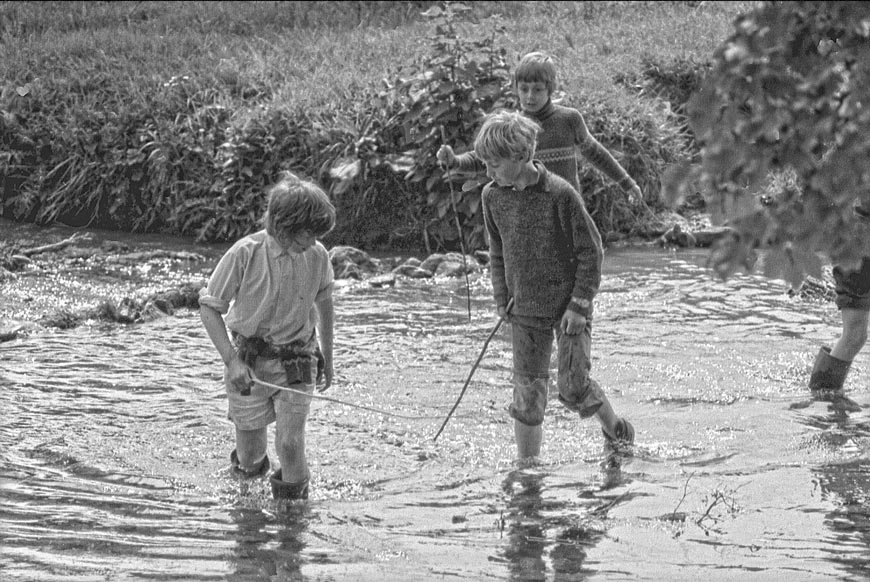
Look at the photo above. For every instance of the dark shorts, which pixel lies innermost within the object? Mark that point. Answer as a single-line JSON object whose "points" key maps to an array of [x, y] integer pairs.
{"points": [[853, 287], [532, 348]]}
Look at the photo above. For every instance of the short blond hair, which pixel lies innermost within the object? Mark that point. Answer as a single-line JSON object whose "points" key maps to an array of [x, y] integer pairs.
{"points": [[537, 67], [296, 205], [506, 135]]}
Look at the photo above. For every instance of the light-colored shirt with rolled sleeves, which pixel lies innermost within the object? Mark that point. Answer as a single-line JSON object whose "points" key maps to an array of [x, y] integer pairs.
{"points": [[263, 290]]}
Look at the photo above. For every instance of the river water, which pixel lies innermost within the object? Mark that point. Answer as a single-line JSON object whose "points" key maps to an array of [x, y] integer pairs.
{"points": [[114, 447]]}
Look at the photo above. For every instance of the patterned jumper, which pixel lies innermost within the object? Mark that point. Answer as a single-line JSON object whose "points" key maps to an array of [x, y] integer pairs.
{"points": [[563, 132]]}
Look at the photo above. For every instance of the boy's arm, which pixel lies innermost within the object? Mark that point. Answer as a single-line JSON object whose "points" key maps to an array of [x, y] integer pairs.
{"points": [[469, 162], [496, 256], [214, 302], [589, 252], [238, 373], [591, 149], [325, 331]]}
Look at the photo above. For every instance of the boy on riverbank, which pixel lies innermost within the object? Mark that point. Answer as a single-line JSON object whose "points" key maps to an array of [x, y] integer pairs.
{"points": [[563, 133], [273, 291], [545, 255]]}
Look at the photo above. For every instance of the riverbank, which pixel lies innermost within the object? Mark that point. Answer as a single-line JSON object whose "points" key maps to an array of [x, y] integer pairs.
{"points": [[136, 118], [75, 276]]}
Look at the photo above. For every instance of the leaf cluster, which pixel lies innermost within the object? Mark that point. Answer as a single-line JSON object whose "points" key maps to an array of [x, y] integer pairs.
{"points": [[439, 98], [782, 125], [108, 125]]}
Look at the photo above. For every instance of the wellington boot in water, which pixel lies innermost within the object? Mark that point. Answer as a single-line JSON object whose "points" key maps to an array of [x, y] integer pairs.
{"points": [[829, 373], [284, 490], [257, 471]]}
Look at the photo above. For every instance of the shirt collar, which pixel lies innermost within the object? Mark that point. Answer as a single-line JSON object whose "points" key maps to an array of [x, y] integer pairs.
{"points": [[543, 183], [272, 247]]}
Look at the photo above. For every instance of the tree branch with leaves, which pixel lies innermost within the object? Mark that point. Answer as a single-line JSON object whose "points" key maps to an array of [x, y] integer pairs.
{"points": [[784, 136]]}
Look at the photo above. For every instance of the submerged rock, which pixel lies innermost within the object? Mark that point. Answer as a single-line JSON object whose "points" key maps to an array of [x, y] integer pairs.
{"points": [[10, 328], [352, 263]]}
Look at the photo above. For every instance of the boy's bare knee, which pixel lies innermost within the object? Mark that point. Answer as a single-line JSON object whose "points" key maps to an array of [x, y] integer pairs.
{"points": [[289, 441], [529, 417]]}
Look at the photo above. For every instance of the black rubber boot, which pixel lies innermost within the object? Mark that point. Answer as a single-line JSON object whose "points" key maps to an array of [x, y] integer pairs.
{"points": [[283, 490], [258, 471], [829, 373]]}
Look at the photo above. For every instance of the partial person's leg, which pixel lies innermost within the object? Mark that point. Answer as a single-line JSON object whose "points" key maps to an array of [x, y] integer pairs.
{"points": [[853, 299], [290, 444], [291, 408], [607, 418], [251, 448], [532, 344], [581, 393], [528, 438], [251, 415], [854, 334]]}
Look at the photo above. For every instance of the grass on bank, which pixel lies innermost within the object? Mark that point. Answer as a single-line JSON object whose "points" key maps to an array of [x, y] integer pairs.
{"points": [[229, 93], [314, 54]]}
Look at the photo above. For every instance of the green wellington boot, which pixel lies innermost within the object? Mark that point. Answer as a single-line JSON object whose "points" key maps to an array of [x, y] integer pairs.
{"points": [[284, 490], [829, 373]]}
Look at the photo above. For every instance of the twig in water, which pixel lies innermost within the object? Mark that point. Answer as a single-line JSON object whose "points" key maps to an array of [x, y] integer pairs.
{"points": [[685, 491], [719, 497]]}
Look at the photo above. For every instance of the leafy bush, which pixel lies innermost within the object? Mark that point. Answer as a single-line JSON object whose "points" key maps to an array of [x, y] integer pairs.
{"points": [[441, 97], [785, 99], [673, 83], [644, 142], [127, 119]]}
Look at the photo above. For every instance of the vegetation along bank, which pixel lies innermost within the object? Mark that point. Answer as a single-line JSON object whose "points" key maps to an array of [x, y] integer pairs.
{"points": [[173, 116]]}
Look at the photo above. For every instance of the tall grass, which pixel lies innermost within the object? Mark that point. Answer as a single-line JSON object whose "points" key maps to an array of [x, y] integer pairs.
{"points": [[317, 52], [128, 112]]}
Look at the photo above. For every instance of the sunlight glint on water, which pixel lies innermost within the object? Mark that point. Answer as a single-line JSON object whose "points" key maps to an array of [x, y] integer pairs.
{"points": [[114, 460]]}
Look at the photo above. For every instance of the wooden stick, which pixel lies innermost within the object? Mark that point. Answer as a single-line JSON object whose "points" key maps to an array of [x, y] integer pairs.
{"points": [[52, 247], [474, 367], [458, 228]]}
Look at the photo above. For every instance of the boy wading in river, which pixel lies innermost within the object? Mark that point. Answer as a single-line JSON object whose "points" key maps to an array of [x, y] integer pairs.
{"points": [[546, 255], [273, 291]]}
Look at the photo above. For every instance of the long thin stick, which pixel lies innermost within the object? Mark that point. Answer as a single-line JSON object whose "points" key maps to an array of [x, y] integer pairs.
{"points": [[337, 401], [474, 367], [458, 227]]}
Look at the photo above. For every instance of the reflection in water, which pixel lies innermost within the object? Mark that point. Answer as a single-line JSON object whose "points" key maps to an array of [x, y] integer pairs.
{"points": [[272, 555], [845, 484], [525, 527], [114, 445], [544, 534], [848, 486]]}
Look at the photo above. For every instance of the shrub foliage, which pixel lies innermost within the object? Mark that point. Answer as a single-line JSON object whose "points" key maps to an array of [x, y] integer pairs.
{"points": [[783, 125], [108, 146]]}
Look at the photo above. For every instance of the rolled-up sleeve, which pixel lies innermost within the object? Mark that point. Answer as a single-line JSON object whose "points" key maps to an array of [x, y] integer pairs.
{"points": [[223, 285], [326, 281]]}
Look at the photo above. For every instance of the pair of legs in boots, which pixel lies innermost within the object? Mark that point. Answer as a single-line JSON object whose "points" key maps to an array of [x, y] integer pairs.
{"points": [[532, 340], [853, 299], [253, 414]]}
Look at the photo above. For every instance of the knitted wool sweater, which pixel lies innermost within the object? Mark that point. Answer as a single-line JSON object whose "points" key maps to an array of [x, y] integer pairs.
{"points": [[544, 247], [563, 132]]}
